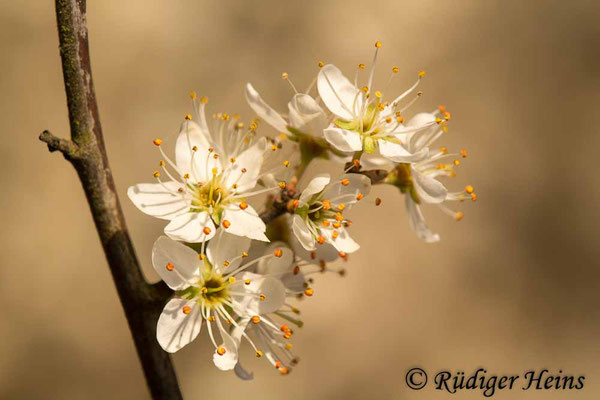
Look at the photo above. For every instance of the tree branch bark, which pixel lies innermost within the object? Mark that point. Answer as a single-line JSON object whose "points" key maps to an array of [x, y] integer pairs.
{"points": [[141, 301]]}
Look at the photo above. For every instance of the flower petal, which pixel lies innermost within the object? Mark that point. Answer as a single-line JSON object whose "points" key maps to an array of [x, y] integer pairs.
{"points": [[347, 193], [398, 153], [276, 265], [272, 288], [227, 361], [189, 227], [158, 200], [302, 233], [316, 185], [175, 328], [224, 247], [175, 263], [319, 253], [245, 222], [417, 223], [250, 160], [306, 115], [338, 93], [428, 189], [263, 110], [343, 140], [191, 135], [241, 372], [343, 242], [375, 161]]}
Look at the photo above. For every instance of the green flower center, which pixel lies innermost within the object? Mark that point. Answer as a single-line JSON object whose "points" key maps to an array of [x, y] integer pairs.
{"points": [[210, 196], [367, 125], [213, 289]]}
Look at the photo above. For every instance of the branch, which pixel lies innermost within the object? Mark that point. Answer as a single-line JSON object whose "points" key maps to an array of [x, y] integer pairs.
{"points": [[141, 301], [69, 149]]}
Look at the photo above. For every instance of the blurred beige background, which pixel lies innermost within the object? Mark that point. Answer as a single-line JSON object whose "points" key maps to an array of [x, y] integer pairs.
{"points": [[512, 287]]}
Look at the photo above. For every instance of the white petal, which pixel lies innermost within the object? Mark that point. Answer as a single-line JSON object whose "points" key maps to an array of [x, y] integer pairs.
{"points": [[316, 185], [339, 193], [399, 153], [189, 227], [182, 261], [224, 247], [175, 328], [302, 233], [343, 242], [272, 288], [263, 110], [421, 119], [306, 115], [376, 161], [241, 373], [251, 159], [245, 222], [419, 139], [339, 95], [227, 361], [276, 265], [325, 253], [428, 189], [417, 223], [343, 140], [293, 282], [191, 135], [156, 200]]}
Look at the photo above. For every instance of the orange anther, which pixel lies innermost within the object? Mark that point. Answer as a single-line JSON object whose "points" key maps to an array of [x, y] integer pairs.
{"points": [[226, 224], [243, 205], [221, 350], [206, 230], [278, 253], [309, 292], [170, 267], [186, 310], [157, 142]]}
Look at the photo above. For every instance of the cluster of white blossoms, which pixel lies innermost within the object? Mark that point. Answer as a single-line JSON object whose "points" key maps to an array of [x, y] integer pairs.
{"points": [[216, 254]]}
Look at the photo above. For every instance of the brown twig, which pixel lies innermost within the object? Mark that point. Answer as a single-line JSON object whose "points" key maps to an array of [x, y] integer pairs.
{"points": [[141, 301]]}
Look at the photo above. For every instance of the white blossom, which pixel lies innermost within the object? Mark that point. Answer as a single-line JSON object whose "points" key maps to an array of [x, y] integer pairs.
{"points": [[419, 180], [319, 211], [214, 173], [364, 121]]}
